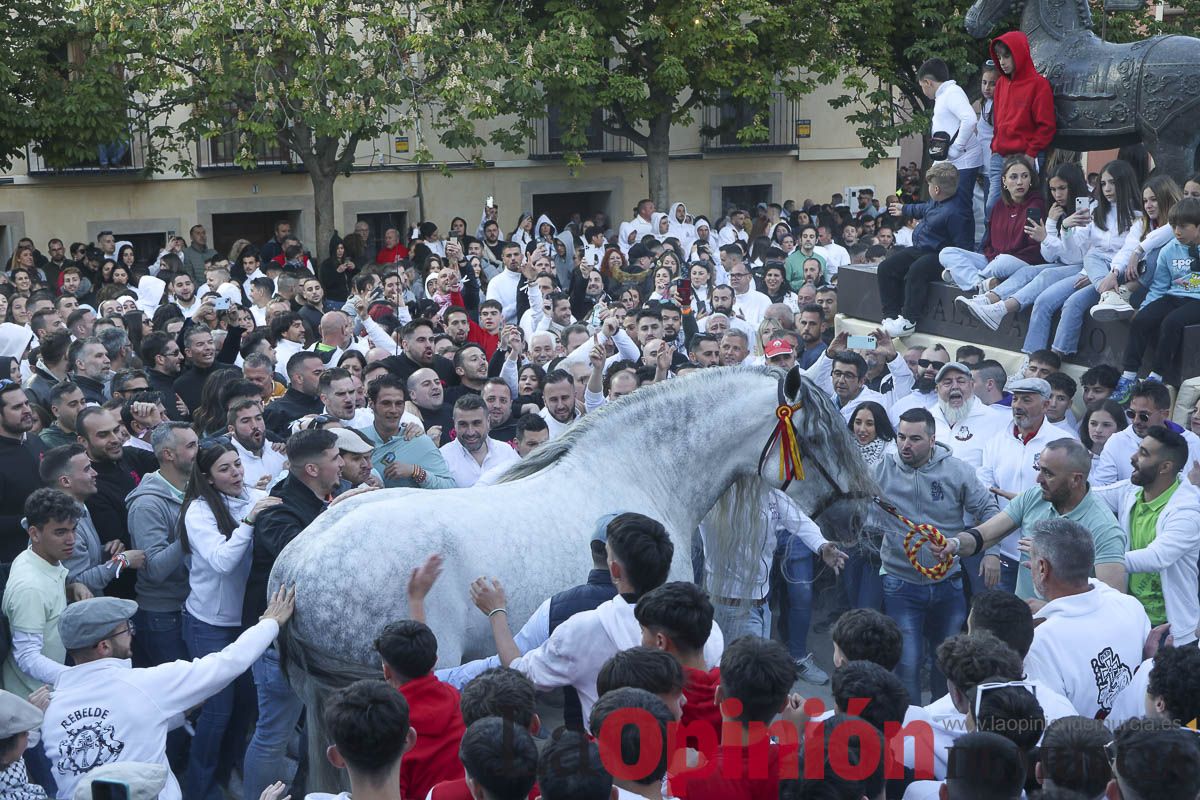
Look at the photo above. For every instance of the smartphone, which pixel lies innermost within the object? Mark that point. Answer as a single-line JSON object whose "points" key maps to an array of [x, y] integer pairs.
{"points": [[1033, 215], [109, 790], [490, 202], [685, 291], [221, 304], [860, 342], [1081, 204]]}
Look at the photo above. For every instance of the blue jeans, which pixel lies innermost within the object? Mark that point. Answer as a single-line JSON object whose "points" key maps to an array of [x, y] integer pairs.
{"points": [[159, 638], [1075, 303], [795, 599], [995, 165], [279, 710], [743, 619], [111, 155], [968, 268], [966, 194], [220, 729], [927, 614], [1027, 283], [860, 576]]}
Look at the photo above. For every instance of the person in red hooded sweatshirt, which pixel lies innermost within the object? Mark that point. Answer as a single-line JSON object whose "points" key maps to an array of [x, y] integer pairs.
{"points": [[409, 651], [1022, 110], [1007, 247], [677, 618]]}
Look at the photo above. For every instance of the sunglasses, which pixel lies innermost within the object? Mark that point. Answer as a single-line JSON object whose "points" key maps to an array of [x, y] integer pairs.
{"points": [[1138, 416], [983, 688], [925, 363]]}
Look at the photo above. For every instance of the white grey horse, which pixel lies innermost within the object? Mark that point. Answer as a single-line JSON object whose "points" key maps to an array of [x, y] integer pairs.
{"points": [[670, 451]]}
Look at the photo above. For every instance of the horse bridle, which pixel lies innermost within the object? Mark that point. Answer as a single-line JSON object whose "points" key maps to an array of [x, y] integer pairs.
{"points": [[833, 498]]}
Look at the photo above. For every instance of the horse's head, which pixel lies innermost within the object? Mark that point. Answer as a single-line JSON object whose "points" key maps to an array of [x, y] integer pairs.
{"points": [[984, 14], [830, 456]]}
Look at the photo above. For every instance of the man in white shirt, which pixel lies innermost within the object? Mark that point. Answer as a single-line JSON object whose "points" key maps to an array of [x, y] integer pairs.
{"points": [[558, 394], [1010, 459], [924, 393], [640, 550], [835, 255], [247, 432], [102, 711], [185, 295], [1149, 405], [955, 119], [734, 230], [472, 452], [503, 287], [750, 302], [964, 423], [842, 374], [1090, 639], [642, 221]]}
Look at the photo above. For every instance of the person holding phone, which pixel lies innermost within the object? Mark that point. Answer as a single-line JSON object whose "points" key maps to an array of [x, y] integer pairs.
{"points": [[1007, 244]]}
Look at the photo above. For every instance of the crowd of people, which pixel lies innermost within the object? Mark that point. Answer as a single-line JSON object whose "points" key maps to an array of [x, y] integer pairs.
{"points": [[167, 428]]}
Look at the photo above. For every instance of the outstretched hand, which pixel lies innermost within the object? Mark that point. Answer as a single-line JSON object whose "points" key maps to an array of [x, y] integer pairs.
{"points": [[487, 594], [422, 578]]}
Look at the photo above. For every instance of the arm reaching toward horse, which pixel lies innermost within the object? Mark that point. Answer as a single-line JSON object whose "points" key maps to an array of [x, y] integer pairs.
{"points": [[419, 583], [488, 596]]}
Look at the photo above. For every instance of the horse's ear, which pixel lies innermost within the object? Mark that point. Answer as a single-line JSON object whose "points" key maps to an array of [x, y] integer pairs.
{"points": [[791, 384]]}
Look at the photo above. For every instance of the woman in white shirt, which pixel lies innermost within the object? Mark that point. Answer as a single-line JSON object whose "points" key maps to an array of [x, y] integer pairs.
{"points": [[1098, 425], [216, 529]]}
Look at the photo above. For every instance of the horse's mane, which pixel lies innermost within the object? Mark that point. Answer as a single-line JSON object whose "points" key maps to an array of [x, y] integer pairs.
{"points": [[710, 386]]}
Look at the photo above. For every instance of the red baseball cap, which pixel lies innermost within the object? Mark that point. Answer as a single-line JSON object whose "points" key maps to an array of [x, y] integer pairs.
{"points": [[777, 347]]}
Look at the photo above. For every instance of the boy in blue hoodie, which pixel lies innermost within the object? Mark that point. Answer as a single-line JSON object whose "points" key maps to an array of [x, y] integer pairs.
{"points": [[1172, 304], [904, 276]]}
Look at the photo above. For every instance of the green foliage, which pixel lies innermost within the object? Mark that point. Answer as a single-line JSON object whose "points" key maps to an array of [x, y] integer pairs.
{"points": [[64, 110]]}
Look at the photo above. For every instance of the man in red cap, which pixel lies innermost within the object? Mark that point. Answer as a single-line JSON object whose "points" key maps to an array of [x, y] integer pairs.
{"points": [[780, 353]]}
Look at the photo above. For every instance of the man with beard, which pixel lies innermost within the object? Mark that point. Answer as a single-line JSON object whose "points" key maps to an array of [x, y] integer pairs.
{"points": [[202, 359], [427, 394], [1160, 512], [20, 455], [964, 423], [809, 324], [924, 393], [473, 452], [721, 300], [248, 434], [51, 367], [89, 368], [66, 401], [559, 396], [162, 585], [532, 433], [806, 248], [304, 375], [842, 373], [1010, 459], [492, 246], [705, 350], [403, 462], [163, 360], [471, 366], [356, 461], [137, 706], [1149, 405], [497, 396], [417, 341], [118, 471]]}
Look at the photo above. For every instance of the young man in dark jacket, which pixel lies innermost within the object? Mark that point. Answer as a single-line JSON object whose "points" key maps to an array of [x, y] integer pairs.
{"points": [[904, 276], [315, 469], [20, 454]]}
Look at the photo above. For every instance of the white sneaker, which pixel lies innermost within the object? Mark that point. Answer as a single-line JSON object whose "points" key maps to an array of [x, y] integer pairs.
{"points": [[898, 327], [1113, 305], [991, 314], [977, 300], [985, 285]]}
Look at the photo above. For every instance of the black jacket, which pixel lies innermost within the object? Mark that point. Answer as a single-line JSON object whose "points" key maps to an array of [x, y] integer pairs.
{"points": [[164, 384], [93, 390], [19, 477], [273, 529], [110, 513], [191, 380], [39, 387], [403, 367], [287, 408]]}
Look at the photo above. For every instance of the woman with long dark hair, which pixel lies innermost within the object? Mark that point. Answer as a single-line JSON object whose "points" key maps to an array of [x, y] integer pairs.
{"points": [[209, 417], [874, 434], [216, 529], [1122, 292], [1099, 424]]}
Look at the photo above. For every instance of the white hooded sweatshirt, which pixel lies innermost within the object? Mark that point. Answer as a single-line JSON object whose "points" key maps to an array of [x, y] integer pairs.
{"points": [[578, 648], [105, 711], [684, 231], [1088, 646]]}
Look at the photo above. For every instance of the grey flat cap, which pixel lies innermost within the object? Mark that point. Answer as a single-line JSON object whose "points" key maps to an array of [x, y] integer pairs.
{"points": [[953, 366], [87, 622], [1031, 386], [145, 781], [17, 715]]}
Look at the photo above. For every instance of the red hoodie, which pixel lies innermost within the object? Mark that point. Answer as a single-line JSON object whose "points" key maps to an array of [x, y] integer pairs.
{"points": [[700, 689], [1023, 109], [1006, 230], [434, 714]]}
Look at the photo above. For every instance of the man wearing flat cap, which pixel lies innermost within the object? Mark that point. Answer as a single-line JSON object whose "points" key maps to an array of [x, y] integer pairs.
{"points": [[18, 719], [103, 711]]}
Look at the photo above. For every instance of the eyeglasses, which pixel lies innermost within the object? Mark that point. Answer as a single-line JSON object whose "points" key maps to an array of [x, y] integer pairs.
{"points": [[1137, 416], [982, 688], [925, 363], [129, 628]]}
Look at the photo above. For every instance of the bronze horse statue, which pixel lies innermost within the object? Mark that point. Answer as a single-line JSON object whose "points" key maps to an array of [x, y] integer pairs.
{"points": [[1110, 95]]}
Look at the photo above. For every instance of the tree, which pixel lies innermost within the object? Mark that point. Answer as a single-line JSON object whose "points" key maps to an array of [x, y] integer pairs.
{"points": [[315, 77], [64, 108], [646, 65]]}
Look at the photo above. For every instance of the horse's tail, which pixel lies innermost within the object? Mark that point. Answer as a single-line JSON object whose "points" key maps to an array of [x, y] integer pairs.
{"points": [[314, 675]]}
